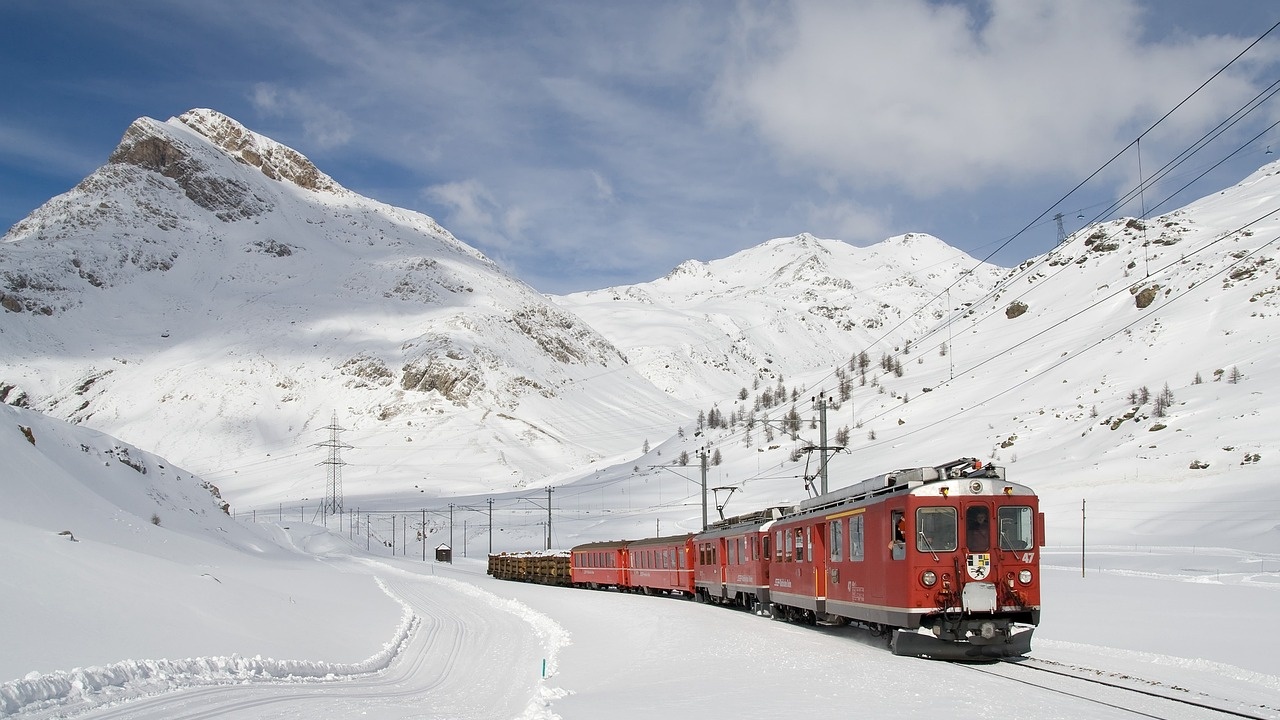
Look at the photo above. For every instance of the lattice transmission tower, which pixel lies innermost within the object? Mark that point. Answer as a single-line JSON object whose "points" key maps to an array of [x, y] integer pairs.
{"points": [[332, 503]]}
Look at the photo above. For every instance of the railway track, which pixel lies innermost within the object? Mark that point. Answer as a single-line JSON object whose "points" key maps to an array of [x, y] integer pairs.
{"points": [[1156, 696]]}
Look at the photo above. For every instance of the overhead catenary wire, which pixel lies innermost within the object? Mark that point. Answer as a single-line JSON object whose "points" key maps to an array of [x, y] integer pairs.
{"points": [[1252, 105], [1143, 183]]}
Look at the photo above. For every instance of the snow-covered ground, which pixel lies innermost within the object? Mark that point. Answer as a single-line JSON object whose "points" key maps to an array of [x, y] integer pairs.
{"points": [[185, 612], [474, 647]]}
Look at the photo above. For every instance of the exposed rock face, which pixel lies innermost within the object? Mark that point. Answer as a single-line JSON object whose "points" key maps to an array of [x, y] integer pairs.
{"points": [[1146, 296], [276, 161], [145, 146]]}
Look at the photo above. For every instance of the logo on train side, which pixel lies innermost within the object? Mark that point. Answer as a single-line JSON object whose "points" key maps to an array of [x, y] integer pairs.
{"points": [[979, 565]]}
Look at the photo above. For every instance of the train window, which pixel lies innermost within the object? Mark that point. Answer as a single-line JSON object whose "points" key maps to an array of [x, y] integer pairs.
{"points": [[800, 533], [936, 529], [791, 540], [808, 544], [733, 552], [837, 539], [764, 548], [755, 547], [856, 551], [898, 535], [1016, 528], [977, 530]]}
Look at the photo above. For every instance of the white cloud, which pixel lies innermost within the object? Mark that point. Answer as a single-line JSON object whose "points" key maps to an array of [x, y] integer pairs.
{"points": [[470, 204], [323, 126], [932, 97], [52, 154], [846, 220]]}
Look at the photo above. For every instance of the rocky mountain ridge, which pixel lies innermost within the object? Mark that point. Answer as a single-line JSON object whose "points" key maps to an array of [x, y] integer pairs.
{"points": [[203, 252], [222, 331]]}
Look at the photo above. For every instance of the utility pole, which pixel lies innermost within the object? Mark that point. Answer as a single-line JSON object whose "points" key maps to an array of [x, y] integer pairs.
{"points": [[332, 503], [423, 532], [823, 447], [822, 437], [702, 455], [490, 526], [450, 527], [549, 489], [1082, 538]]}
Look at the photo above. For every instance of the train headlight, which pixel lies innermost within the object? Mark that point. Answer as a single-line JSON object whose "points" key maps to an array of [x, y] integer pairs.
{"points": [[1024, 577], [929, 577]]}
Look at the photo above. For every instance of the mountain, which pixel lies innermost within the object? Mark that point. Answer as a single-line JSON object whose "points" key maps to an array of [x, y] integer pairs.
{"points": [[1134, 363], [791, 306], [211, 295]]}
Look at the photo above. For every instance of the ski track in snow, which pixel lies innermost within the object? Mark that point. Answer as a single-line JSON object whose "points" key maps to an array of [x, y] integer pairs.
{"points": [[428, 666]]}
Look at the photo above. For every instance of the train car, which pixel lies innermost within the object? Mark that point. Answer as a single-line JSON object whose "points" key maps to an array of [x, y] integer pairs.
{"points": [[915, 552], [546, 568], [661, 565], [731, 565], [600, 565]]}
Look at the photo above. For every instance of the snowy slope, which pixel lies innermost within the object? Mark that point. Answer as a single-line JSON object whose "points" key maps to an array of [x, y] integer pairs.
{"points": [[204, 616], [790, 306], [109, 548], [161, 590], [209, 294], [1044, 370]]}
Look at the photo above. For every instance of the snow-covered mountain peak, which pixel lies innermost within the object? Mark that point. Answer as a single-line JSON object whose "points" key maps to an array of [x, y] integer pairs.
{"points": [[788, 305], [276, 161], [217, 279]]}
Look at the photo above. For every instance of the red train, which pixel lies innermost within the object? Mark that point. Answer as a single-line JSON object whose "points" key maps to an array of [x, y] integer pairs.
{"points": [[944, 558]]}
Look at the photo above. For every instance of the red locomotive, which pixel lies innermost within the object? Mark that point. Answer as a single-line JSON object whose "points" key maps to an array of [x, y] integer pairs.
{"points": [[944, 558], [915, 552]]}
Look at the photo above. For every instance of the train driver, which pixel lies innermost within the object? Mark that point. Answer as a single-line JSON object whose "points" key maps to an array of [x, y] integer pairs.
{"points": [[977, 531]]}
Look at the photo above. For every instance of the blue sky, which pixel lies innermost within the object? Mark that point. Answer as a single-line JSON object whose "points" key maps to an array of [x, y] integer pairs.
{"points": [[589, 144]]}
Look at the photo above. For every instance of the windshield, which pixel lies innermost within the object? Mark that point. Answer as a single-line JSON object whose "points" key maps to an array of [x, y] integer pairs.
{"points": [[936, 529], [1016, 529]]}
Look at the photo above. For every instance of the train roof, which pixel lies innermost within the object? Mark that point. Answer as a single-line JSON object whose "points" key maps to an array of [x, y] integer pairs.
{"points": [[622, 544], [906, 480], [747, 522]]}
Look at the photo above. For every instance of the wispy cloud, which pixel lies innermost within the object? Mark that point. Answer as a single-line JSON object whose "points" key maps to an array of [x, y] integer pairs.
{"points": [[931, 97], [322, 125], [46, 153], [583, 143]]}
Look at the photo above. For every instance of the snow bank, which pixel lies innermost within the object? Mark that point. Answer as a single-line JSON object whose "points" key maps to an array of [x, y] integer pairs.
{"points": [[97, 685]]}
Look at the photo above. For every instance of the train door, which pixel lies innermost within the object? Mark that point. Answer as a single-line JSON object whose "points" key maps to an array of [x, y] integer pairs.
{"points": [[892, 537], [818, 550], [977, 527], [977, 541]]}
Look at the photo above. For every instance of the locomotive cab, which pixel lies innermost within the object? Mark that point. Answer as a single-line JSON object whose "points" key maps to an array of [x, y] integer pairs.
{"points": [[976, 557]]}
